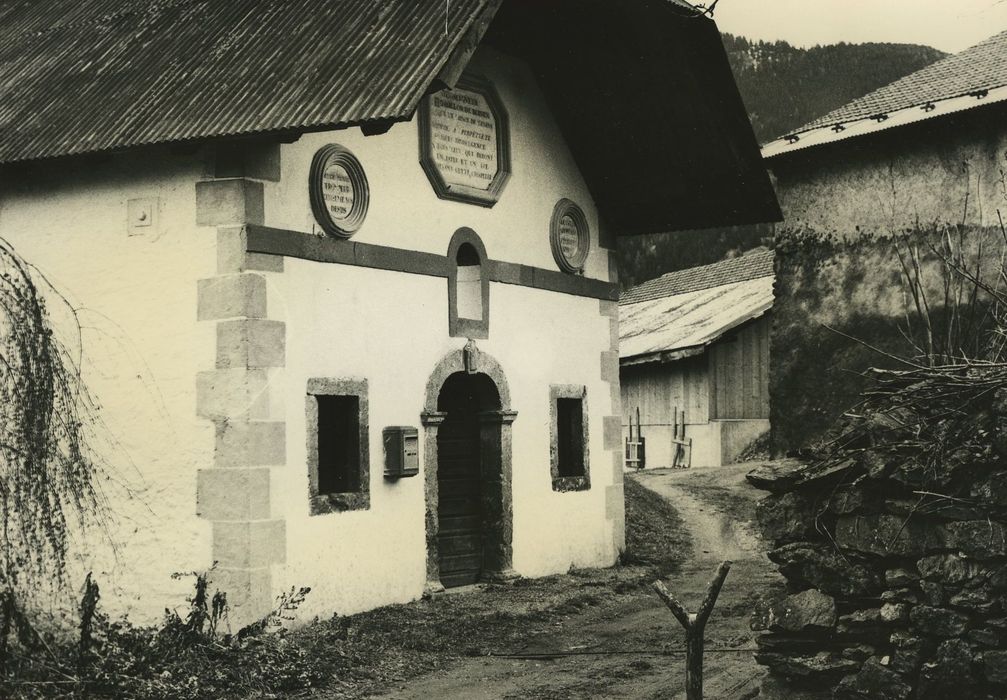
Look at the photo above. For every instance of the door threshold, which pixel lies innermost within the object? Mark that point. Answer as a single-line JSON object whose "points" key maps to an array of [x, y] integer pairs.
{"points": [[467, 588]]}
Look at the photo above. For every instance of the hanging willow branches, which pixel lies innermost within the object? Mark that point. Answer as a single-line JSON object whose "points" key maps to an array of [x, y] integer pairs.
{"points": [[49, 479]]}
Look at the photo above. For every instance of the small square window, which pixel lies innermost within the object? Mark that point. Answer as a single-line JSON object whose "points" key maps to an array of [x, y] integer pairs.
{"points": [[569, 438], [337, 435]]}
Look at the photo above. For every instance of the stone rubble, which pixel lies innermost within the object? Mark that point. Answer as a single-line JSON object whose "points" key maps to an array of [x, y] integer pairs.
{"points": [[897, 576]]}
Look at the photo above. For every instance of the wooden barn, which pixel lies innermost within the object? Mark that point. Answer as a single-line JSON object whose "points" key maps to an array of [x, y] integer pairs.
{"points": [[696, 341]]}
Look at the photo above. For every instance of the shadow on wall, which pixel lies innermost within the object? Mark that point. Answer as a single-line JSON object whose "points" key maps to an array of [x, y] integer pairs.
{"points": [[845, 306]]}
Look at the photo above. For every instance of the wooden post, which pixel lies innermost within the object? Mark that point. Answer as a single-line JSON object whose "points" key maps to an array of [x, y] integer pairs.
{"points": [[694, 625]]}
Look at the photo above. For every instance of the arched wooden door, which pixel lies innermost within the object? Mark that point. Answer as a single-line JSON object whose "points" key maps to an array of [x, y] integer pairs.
{"points": [[461, 479]]}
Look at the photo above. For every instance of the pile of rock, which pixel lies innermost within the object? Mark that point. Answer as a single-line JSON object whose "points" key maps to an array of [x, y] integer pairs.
{"points": [[897, 575]]}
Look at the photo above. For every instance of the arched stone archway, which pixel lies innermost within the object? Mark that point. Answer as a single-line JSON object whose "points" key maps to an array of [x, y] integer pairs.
{"points": [[495, 418]]}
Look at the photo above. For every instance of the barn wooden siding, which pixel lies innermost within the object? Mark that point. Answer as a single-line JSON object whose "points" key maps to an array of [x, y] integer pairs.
{"points": [[739, 373], [658, 388], [729, 381]]}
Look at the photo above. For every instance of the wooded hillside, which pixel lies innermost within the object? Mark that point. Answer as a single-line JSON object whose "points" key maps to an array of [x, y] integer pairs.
{"points": [[783, 87]]}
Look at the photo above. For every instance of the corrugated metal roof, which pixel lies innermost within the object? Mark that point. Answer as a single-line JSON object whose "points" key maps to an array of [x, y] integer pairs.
{"points": [[756, 263], [981, 67], [87, 76], [84, 76], [671, 327]]}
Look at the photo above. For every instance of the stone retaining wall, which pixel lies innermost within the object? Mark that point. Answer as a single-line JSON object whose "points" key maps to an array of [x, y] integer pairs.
{"points": [[897, 577]]}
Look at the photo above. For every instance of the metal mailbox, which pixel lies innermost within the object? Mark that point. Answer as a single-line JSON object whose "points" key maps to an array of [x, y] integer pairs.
{"points": [[402, 452]]}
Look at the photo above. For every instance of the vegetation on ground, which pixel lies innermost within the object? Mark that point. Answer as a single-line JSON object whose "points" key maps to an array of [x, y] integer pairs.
{"points": [[728, 497], [656, 536], [343, 657]]}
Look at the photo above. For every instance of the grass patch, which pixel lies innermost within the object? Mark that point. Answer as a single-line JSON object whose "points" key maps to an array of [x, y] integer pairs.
{"points": [[656, 536]]}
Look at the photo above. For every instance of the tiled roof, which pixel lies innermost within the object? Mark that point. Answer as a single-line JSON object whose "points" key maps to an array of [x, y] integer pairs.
{"points": [[982, 67], [82, 76], [752, 265]]}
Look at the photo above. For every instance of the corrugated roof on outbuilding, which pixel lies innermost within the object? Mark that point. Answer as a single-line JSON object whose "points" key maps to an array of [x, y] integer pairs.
{"points": [[684, 325], [680, 314]]}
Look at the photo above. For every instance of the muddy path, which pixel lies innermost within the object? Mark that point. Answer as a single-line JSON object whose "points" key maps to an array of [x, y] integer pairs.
{"points": [[631, 648]]}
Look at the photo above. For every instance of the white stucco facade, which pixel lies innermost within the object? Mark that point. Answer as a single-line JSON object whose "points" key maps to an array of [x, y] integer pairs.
{"points": [[200, 356], [141, 345], [392, 329]]}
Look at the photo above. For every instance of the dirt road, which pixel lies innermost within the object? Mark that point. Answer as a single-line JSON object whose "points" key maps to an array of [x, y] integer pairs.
{"points": [[632, 648]]}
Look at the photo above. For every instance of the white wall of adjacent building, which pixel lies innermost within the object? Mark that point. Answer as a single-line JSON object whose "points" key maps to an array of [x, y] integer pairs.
{"points": [[140, 345]]}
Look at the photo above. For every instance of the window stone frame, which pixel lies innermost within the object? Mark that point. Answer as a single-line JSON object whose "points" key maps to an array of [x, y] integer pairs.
{"points": [[323, 503], [568, 483]]}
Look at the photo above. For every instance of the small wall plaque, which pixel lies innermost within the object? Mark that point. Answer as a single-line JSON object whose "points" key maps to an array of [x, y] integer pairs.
{"points": [[465, 142], [141, 216], [339, 192], [569, 236]]}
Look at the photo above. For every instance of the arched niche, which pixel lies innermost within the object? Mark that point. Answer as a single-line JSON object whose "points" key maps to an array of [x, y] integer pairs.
{"points": [[468, 286]]}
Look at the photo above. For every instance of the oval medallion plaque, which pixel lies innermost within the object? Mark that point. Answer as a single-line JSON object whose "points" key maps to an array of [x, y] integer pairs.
{"points": [[569, 236], [339, 193]]}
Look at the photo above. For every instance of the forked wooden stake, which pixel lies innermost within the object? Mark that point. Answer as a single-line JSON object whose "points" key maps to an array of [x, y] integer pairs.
{"points": [[694, 626]]}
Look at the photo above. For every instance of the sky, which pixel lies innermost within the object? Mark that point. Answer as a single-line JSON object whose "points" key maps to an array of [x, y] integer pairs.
{"points": [[948, 25]]}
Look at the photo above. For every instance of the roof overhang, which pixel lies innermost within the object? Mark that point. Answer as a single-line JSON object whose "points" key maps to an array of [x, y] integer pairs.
{"points": [[641, 89], [662, 358], [646, 100]]}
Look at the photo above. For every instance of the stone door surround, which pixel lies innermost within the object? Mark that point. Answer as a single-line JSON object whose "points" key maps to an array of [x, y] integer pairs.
{"points": [[495, 456]]}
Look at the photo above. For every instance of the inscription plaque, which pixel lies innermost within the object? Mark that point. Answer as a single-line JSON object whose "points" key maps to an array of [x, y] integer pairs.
{"points": [[339, 193], [464, 144], [569, 236]]}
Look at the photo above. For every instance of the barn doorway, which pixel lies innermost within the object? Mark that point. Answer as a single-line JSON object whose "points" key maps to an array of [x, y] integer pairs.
{"points": [[467, 423]]}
